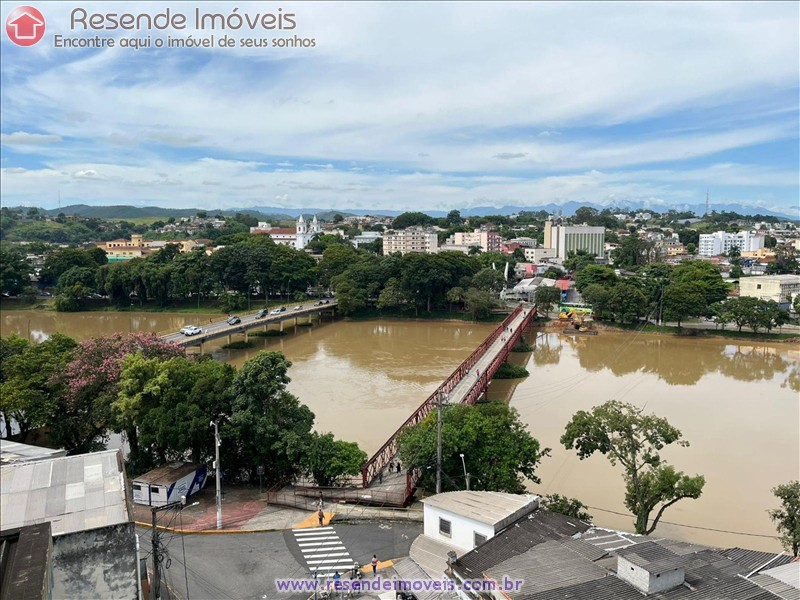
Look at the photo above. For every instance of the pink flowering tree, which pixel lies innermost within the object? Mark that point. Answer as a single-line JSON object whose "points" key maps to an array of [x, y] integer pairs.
{"points": [[92, 379]]}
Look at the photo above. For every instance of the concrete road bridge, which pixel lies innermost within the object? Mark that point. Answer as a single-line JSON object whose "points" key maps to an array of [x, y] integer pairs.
{"points": [[220, 329], [467, 383]]}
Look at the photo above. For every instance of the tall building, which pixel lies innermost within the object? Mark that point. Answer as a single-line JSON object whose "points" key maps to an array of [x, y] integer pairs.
{"points": [[780, 288], [412, 239], [571, 238], [721, 242]]}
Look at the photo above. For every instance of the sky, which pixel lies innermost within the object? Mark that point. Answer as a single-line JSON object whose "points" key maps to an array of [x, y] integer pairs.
{"points": [[412, 106]]}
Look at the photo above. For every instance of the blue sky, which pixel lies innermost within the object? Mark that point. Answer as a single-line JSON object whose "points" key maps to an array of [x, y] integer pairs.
{"points": [[418, 106]]}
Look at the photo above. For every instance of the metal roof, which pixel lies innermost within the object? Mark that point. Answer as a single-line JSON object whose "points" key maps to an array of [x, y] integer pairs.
{"points": [[651, 557], [536, 528], [14, 452], [777, 587], [755, 560], [409, 570], [490, 508], [788, 573], [73, 493], [167, 474], [431, 555]]}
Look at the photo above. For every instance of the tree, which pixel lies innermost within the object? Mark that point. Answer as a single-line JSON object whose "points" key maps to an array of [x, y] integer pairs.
{"points": [[599, 297], [545, 296], [330, 461], [455, 296], [627, 436], [691, 248], [498, 450], [268, 426], [30, 389], [454, 218], [576, 261], [479, 303], [409, 219], [590, 274], [490, 280], [632, 252], [392, 296], [787, 517], [682, 300], [15, 271], [337, 218], [350, 298], [626, 302], [572, 507]]}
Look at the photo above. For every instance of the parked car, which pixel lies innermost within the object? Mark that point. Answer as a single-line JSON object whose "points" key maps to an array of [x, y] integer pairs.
{"points": [[233, 320], [262, 313], [191, 330]]}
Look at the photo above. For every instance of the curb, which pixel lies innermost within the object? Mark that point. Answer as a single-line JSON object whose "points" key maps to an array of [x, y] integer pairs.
{"points": [[204, 531]]}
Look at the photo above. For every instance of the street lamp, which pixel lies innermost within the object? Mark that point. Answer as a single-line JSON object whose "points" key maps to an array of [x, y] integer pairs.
{"points": [[466, 475], [217, 470]]}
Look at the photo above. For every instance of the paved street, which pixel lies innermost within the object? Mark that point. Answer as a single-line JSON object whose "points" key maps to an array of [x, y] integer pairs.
{"points": [[246, 565]]}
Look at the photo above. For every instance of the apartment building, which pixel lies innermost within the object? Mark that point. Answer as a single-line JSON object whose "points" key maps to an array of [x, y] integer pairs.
{"points": [[721, 242], [413, 239], [571, 238]]}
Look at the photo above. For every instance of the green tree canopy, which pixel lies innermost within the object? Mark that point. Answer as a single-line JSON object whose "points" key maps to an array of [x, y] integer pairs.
{"points": [[590, 274], [499, 452], [682, 300], [627, 436], [15, 270], [330, 462], [787, 517]]}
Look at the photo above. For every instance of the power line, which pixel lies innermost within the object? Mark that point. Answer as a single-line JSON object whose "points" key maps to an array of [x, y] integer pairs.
{"points": [[761, 535]]}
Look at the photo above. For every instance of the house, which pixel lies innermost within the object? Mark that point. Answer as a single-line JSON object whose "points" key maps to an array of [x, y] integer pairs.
{"points": [[168, 483], [84, 500], [26, 26], [547, 556]]}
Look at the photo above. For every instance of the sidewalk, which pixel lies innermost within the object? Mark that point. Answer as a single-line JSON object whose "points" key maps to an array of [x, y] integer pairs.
{"points": [[244, 509]]}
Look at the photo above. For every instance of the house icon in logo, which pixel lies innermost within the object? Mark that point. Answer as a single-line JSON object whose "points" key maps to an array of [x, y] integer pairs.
{"points": [[25, 26]]}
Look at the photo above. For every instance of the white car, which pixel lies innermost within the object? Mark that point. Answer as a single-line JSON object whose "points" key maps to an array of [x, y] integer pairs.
{"points": [[191, 330], [276, 311], [298, 307]]}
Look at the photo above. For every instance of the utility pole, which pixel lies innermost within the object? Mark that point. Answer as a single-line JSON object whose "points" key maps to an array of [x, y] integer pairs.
{"points": [[439, 443], [217, 471], [155, 591]]}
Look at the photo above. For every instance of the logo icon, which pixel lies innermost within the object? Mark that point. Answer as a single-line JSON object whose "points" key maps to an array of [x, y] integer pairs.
{"points": [[25, 26]]}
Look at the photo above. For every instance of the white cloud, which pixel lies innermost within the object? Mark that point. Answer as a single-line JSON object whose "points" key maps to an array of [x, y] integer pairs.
{"points": [[25, 138]]}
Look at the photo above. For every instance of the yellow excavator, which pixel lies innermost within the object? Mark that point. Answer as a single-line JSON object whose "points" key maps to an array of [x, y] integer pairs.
{"points": [[578, 317]]}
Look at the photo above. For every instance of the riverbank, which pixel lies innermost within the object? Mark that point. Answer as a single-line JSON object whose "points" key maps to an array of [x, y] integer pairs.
{"points": [[686, 330], [92, 306]]}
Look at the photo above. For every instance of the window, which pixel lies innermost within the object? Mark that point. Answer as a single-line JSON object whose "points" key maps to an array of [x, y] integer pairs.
{"points": [[444, 527], [155, 489], [478, 540], [758, 286], [137, 487]]}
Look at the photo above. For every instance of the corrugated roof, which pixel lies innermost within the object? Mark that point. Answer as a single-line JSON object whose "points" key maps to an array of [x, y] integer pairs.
{"points": [[777, 587], [73, 493], [167, 474], [408, 570], [755, 559], [651, 557], [490, 508], [431, 555], [788, 573], [536, 528]]}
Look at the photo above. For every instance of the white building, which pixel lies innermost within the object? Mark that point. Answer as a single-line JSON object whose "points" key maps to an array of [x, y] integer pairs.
{"points": [[488, 241], [770, 287], [298, 238], [536, 255], [571, 238], [367, 238], [412, 239], [721, 242]]}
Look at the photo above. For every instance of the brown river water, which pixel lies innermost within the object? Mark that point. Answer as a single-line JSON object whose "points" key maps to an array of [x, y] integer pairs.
{"points": [[735, 401]]}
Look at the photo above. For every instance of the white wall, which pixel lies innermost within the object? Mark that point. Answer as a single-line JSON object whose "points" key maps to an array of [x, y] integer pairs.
{"points": [[462, 530]]}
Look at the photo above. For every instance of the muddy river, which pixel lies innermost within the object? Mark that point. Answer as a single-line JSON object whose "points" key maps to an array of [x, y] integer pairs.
{"points": [[735, 401]]}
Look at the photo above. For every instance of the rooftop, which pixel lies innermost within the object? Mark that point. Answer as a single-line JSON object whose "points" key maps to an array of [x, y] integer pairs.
{"points": [[167, 474], [490, 508], [14, 452], [74, 493]]}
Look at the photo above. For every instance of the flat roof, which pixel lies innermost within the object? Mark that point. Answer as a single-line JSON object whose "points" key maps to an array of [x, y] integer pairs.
{"points": [[73, 493], [14, 452], [485, 507], [167, 474]]}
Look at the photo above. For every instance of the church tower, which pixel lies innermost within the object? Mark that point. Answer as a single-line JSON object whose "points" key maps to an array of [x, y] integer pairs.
{"points": [[301, 225], [315, 228]]}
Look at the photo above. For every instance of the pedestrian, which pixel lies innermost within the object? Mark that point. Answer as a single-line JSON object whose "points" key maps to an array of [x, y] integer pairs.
{"points": [[374, 563], [321, 517], [398, 467], [391, 466], [380, 476]]}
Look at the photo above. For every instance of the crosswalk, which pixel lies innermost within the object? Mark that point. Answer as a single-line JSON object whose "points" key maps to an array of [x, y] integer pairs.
{"points": [[323, 551]]}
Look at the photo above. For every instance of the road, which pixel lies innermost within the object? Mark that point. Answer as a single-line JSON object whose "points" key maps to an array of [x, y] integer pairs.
{"points": [[221, 327], [245, 565], [732, 327]]}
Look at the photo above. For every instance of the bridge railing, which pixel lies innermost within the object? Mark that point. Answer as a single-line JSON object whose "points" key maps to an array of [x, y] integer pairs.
{"points": [[386, 453]]}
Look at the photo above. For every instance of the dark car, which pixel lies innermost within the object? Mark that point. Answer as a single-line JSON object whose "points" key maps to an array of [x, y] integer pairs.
{"points": [[233, 320], [262, 313]]}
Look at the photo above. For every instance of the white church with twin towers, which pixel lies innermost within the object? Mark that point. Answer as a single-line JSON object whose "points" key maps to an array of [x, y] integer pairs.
{"points": [[298, 238]]}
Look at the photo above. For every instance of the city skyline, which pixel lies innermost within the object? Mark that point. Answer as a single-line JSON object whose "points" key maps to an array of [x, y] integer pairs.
{"points": [[416, 107]]}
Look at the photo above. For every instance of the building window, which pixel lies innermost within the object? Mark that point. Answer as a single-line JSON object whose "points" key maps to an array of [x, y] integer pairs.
{"points": [[137, 487], [155, 489], [478, 539], [444, 527], [758, 286]]}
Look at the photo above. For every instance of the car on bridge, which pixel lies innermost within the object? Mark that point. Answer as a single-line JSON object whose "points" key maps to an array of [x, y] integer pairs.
{"points": [[191, 330], [262, 313], [298, 307], [233, 320], [278, 310]]}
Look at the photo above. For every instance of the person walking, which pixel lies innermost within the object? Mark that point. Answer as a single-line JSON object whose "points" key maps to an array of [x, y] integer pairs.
{"points": [[398, 467], [374, 563], [321, 517]]}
